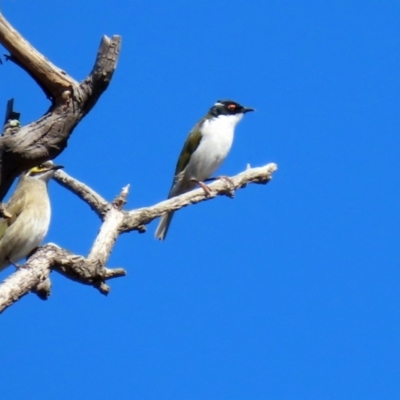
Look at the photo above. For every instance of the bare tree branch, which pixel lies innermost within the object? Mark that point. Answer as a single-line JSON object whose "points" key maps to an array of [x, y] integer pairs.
{"points": [[109, 231], [51, 79], [135, 219], [34, 275], [24, 147], [47, 137], [99, 205], [24, 280]]}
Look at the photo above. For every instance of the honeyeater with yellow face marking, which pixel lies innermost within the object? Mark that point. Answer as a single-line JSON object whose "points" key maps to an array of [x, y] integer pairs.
{"points": [[26, 215], [205, 149]]}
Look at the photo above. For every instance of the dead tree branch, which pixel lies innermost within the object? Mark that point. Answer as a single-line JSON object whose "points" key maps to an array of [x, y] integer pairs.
{"points": [[22, 147], [47, 137], [91, 270], [99, 205], [136, 219]]}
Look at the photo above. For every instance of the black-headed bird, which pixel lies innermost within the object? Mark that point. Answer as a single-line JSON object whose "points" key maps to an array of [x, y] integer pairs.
{"points": [[205, 149]]}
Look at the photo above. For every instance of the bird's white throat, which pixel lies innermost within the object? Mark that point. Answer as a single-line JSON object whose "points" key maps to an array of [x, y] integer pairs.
{"points": [[221, 125], [216, 141]]}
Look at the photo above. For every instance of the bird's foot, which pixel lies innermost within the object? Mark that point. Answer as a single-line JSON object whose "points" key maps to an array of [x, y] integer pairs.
{"points": [[206, 189], [222, 178], [229, 182]]}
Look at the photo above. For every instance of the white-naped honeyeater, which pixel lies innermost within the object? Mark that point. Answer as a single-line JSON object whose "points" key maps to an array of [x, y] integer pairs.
{"points": [[205, 149]]}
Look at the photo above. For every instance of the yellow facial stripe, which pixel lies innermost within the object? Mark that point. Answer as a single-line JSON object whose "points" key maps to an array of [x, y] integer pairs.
{"points": [[37, 169]]}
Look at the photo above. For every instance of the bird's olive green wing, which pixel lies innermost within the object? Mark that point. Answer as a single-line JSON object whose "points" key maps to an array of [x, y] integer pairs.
{"points": [[13, 208], [4, 224], [190, 146]]}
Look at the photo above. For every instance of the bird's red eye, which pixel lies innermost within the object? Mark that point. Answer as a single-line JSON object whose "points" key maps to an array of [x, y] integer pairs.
{"points": [[231, 107]]}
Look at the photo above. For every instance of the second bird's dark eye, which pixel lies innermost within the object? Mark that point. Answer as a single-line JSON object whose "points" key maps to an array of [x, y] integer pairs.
{"points": [[231, 107]]}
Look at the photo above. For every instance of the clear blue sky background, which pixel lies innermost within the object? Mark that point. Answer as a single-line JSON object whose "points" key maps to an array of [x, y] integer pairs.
{"points": [[289, 291]]}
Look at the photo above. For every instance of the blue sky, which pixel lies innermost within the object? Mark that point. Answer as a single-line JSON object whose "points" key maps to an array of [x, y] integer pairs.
{"points": [[289, 291]]}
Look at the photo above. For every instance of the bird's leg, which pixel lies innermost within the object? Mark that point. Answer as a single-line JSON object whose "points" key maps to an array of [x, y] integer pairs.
{"points": [[17, 266], [229, 181], [223, 178], [203, 186]]}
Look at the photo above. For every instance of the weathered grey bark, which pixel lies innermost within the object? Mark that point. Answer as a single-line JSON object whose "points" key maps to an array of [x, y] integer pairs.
{"points": [[25, 147], [47, 137]]}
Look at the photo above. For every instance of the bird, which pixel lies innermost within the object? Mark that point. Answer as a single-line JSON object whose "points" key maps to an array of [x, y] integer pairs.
{"points": [[205, 149], [26, 216]]}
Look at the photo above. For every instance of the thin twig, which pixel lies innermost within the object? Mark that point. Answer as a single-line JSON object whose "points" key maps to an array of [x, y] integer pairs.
{"points": [[97, 203]]}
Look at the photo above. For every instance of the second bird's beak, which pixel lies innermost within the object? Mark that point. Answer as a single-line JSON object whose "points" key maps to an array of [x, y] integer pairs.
{"points": [[248, 109], [56, 167]]}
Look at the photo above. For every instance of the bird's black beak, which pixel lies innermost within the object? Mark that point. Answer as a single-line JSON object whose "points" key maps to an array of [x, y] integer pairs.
{"points": [[248, 109], [56, 167]]}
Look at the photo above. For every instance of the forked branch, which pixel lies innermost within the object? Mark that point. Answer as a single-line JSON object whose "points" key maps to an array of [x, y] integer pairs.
{"points": [[23, 147], [91, 270]]}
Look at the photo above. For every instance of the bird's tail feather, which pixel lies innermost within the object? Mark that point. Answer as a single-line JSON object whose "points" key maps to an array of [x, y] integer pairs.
{"points": [[162, 228]]}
